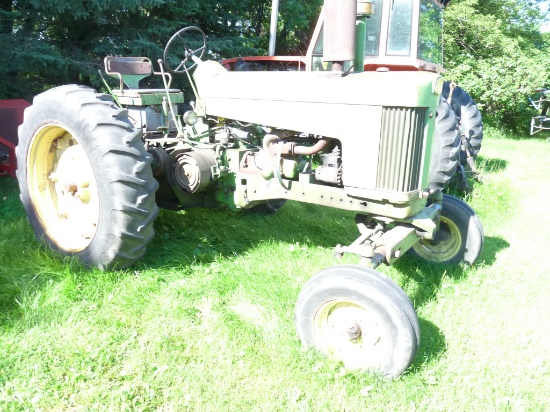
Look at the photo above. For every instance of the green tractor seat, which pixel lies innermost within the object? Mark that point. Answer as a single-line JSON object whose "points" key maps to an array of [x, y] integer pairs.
{"points": [[130, 71]]}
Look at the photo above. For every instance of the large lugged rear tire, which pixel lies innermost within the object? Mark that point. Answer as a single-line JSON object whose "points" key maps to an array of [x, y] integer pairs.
{"points": [[359, 317], [85, 177], [445, 148], [459, 238], [470, 123]]}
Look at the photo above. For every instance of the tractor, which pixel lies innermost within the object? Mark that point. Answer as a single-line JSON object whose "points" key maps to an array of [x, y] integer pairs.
{"points": [[381, 142], [541, 103]]}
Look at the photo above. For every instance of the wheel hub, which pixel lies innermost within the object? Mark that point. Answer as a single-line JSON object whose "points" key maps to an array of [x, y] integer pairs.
{"points": [[63, 188], [352, 334], [445, 246]]}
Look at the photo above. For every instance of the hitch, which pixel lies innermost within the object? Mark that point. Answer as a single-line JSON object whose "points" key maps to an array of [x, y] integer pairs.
{"points": [[385, 240]]}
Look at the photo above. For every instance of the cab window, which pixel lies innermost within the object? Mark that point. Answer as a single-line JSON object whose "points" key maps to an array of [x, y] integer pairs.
{"points": [[400, 28]]}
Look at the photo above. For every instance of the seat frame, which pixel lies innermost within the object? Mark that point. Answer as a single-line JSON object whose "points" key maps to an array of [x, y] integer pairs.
{"points": [[131, 70]]}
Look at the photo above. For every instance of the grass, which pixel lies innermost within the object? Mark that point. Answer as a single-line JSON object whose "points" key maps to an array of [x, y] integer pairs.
{"points": [[205, 321]]}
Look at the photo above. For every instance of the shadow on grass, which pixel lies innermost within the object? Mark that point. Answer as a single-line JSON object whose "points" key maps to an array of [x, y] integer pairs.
{"points": [[492, 246], [432, 346], [428, 279], [202, 235], [194, 236], [485, 166], [489, 165], [428, 276]]}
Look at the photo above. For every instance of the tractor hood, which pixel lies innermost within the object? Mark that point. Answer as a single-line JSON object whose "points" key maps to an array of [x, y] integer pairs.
{"points": [[311, 102]]}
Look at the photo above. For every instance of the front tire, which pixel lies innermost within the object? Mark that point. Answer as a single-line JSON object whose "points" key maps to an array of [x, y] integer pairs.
{"points": [[359, 317], [85, 177], [459, 238]]}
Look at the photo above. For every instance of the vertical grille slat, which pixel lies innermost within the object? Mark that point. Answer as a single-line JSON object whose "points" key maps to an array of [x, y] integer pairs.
{"points": [[400, 155]]}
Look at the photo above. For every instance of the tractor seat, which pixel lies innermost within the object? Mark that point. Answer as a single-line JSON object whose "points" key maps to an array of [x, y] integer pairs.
{"points": [[130, 71]]}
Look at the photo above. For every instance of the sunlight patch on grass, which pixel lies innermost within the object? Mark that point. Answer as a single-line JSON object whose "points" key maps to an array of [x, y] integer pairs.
{"points": [[264, 320]]}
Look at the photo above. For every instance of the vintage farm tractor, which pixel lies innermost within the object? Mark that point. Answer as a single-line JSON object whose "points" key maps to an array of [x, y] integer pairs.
{"points": [[541, 103], [380, 142]]}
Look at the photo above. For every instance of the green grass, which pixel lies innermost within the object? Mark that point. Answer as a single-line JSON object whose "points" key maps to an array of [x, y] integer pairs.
{"points": [[204, 321]]}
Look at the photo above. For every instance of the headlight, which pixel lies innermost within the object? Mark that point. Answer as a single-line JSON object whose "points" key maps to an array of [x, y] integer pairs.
{"points": [[190, 117]]}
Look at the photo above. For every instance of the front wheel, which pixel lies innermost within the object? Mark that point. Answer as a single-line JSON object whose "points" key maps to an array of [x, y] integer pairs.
{"points": [[85, 177], [459, 238], [360, 317]]}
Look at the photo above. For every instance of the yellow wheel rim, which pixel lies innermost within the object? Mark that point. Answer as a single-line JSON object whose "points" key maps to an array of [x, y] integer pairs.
{"points": [[353, 334], [446, 246], [62, 188]]}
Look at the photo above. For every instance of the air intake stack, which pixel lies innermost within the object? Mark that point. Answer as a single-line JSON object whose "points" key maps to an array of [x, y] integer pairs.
{"points": [[339, 32]]}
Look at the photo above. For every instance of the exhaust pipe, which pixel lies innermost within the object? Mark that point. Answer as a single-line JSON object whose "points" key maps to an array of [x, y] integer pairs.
{"points": [[273, 27], [339, 32]]}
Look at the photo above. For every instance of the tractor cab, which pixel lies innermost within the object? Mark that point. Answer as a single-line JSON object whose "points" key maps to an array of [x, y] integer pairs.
{"points": [[390, 34], [397, 35]]}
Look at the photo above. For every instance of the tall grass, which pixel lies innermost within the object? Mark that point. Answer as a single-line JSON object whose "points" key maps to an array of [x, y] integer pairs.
{"points": [[205, 320]]}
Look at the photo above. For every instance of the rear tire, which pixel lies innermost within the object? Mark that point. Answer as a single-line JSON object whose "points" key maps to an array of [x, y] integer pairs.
{"points": [[459, 238], [360, 317], [85, 177], [470, 120], [445, 148]]}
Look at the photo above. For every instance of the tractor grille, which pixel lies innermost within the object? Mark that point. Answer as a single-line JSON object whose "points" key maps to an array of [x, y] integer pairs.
{"points": [[400, 156]]}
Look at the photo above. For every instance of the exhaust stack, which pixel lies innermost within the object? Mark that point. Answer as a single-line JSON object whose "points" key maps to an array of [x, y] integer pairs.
{"points": [[339, 32], [273, 27]]}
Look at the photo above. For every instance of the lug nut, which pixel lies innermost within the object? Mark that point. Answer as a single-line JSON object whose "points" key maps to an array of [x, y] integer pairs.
{"points": [[84, 195]]}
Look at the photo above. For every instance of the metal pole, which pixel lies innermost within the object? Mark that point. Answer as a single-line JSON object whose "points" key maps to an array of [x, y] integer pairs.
{"points": [[273, 27]]}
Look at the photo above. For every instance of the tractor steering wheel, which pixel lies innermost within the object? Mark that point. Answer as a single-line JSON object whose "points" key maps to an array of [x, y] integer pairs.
{"points": [[178, 59]]}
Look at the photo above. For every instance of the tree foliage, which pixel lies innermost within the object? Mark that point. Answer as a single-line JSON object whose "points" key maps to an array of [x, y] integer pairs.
{"points": [[48, 43], [494, 49]]}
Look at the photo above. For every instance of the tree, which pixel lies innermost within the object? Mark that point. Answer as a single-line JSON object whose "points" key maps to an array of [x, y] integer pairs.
{"points": [[494, 48], [495, 51], [48, 43]]}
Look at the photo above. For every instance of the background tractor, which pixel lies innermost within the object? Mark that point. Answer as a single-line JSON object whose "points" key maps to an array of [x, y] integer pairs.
{"points": [[93, 168], [541, 103]]}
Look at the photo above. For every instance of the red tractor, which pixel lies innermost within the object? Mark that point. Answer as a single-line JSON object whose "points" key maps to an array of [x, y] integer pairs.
{"points": [[11, 115]]}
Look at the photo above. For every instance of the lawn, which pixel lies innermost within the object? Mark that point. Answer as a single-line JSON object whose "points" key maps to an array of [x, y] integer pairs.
{"points": [[204, 322]]}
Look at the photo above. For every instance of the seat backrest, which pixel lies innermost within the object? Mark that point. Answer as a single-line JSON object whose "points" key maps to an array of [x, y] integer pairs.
{"points": [[130, 70]]}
